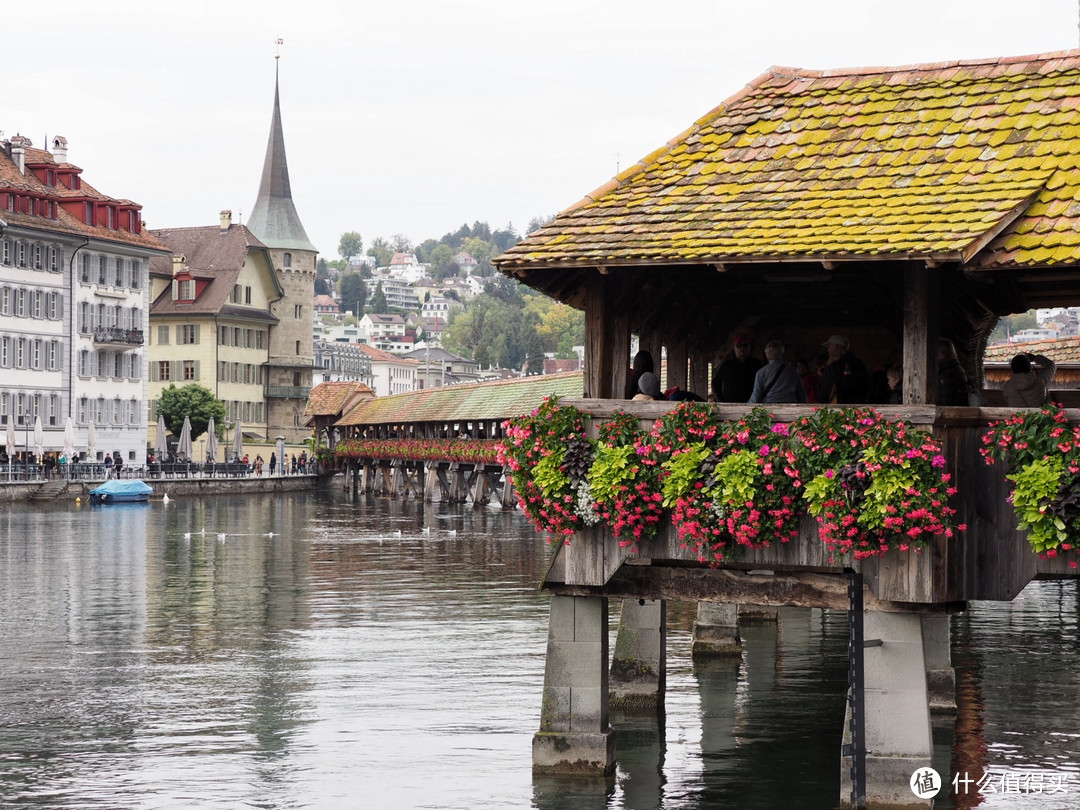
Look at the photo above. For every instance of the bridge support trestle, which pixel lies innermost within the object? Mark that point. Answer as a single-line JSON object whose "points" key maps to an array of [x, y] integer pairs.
{"points": [[716, 630], [897, 710], [639, 663], [575, 736]]}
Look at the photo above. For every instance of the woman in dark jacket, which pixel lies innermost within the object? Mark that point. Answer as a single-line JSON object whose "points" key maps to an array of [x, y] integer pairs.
{"points": [[953, 384]]}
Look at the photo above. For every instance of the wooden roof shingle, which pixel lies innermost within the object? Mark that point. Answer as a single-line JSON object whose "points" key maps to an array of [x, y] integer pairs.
{"points": [[975, 162], [501, 399]]}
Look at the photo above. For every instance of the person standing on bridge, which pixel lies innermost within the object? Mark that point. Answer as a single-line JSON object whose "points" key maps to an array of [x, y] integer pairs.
{"points": [[1028, 386]]}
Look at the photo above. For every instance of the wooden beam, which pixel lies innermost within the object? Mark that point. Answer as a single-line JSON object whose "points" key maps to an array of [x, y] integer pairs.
{"points": [[677, 356], [922, 313], [679, 584]]}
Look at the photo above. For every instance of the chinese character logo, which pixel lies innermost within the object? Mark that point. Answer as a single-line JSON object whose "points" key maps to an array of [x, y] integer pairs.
{"points": [[925, 783]]}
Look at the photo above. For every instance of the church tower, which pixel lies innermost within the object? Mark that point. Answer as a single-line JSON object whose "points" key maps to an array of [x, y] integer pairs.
{"points": [[291, 351]]}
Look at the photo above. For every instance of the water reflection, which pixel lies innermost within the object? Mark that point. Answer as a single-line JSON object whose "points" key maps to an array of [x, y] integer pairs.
{"points": [[331, 652]]}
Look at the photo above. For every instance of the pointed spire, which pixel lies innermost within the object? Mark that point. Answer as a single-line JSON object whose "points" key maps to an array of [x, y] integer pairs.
{"points": [[274, 219]]}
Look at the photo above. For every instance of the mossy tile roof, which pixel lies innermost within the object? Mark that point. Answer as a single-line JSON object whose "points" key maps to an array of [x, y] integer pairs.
{"points": [[497, 400], [975, 161]]}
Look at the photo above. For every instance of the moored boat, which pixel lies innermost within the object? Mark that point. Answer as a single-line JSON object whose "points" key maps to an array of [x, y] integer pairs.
{"points": [[118, 491]]}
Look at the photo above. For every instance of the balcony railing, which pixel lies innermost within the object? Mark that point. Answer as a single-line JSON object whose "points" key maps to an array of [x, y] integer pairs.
{"points": [[286, 391], [114, 334]]}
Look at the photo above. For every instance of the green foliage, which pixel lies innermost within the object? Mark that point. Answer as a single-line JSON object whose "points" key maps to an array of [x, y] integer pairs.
{"points": [[381, 251], [612, 469], [353, 294], [737, 477], [195, 402], [378, 301], [683, 471], [1036, 485], [351, 244]]}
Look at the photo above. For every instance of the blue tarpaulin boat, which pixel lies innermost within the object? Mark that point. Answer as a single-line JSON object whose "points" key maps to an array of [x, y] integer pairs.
{"points": [[121, 491]]}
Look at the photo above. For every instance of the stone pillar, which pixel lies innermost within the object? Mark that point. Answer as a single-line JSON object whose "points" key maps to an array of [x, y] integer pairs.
{"points": [[759, 613], [940, 675], [897, 711], [716, 630], [639, 664], [575, 736]]}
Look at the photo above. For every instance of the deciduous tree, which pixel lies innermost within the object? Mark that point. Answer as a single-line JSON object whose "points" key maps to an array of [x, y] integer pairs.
{"points": [[351, 244], [195, 402]]}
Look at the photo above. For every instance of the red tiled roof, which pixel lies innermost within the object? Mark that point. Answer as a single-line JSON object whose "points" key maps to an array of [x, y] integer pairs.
{"points": [[378, 355], [327, 399], [12, 178], [1060, 350]]}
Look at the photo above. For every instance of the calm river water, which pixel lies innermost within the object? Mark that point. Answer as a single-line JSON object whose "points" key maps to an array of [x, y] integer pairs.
{"points": [[311, 651]]}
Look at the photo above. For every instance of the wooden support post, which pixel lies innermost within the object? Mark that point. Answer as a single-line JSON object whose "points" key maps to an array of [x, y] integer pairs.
{"points": [[480, 487], [607, 338], [677, 357], [698, 381], [922, 313], [508, 499], [431, 478]]}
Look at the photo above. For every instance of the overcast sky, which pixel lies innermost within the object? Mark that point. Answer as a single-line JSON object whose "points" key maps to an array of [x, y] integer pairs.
{"points": [[414, 116]]}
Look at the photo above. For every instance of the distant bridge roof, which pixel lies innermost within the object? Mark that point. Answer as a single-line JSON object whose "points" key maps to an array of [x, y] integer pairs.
{"points": [[501, 399]]}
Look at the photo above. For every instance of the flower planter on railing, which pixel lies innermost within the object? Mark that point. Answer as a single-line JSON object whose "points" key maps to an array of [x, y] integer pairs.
{"points": [[474, 451], [873, 485]]}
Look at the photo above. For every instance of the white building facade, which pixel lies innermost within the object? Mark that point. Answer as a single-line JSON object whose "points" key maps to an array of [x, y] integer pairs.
{"points": [[73, 308]]}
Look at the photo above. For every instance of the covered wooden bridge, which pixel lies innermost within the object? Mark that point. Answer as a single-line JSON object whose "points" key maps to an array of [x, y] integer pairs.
{"points": [[436, 443], [894, 206]]}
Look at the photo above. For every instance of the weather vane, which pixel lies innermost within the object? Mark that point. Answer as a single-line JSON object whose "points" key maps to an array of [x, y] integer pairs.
{"points": [[277, 47]]}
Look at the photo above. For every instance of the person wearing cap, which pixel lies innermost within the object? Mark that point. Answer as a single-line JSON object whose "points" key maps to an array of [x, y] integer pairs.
{"points": [[844, 380], [777, 381], [1027, 388], [643, 363], [733, 380], [649, 387]]}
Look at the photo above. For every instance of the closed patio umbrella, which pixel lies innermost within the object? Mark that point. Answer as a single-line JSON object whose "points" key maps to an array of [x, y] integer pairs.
{"points": [[184, 448], [39, 438], [211, 440], [91, 442], [238, 443], [161, 443], [9, 443], [69, 439]]}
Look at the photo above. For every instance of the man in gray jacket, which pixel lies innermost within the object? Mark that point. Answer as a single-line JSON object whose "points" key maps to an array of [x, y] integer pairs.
{"points": [[1031, 376], [777, 381]]}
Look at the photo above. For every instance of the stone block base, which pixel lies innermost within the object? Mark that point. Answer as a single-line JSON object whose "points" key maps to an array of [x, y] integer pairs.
{"points": [[888, 782], [575, 754], [715, 640], [941, 689]]}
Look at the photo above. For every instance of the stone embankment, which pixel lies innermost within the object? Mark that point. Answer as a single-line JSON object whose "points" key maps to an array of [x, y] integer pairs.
{"points": [[60, 490]]}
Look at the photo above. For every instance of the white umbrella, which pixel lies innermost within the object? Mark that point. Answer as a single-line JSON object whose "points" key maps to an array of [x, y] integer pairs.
{"points": [[39, 437], [9, 447], [238, 443], [184, 448], [161, 444], [69, 439], [91, 442], [211, 440]]}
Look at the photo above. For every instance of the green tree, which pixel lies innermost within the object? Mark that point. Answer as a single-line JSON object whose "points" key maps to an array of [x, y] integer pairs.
{"points": [[353, 293], [351, 244], [381, 251], [1011, 324], [378, 301], [481, 250], [400, 243], [441, 261], [322, 286], [195, 402]]}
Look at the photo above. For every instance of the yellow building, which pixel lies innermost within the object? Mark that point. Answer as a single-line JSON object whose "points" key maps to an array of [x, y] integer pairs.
{"points": [[211, 320]]}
